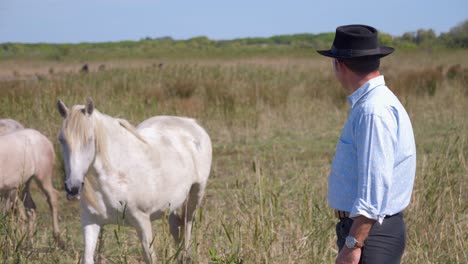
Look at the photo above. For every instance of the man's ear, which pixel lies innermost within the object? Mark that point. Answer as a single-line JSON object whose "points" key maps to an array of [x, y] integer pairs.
{"points": [[342, 67], [336, 65]]}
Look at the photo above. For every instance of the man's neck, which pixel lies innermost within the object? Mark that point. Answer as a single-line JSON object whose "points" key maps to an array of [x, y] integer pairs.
{"points": [[357, 80]]}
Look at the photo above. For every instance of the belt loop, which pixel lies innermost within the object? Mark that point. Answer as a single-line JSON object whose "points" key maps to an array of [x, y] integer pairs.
{"points": [[341, 214]]}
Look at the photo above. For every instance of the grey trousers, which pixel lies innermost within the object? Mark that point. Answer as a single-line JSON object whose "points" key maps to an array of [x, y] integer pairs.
{"points": [[385, 243]]}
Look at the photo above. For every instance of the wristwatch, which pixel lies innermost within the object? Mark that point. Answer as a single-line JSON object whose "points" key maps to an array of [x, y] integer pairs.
{"points": [[352, 242]]}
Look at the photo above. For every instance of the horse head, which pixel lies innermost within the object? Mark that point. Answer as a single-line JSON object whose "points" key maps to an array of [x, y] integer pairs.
{"points": [[77, 139]]}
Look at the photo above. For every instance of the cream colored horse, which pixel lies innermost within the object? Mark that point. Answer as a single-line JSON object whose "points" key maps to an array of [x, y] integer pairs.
{"points": [[133, 176], [26, 154]]}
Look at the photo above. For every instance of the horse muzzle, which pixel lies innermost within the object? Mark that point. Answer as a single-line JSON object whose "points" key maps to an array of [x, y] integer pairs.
{"points": [[73, 192]]}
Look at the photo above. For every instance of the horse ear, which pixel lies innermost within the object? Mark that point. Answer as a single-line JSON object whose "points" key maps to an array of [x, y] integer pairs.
{"points": [[89, 106], [63, 110]]}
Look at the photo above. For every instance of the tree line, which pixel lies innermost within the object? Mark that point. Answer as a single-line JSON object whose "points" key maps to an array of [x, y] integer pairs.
{"points": [[300, 44]]}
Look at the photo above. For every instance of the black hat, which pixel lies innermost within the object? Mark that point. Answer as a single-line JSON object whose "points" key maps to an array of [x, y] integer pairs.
{"points": [[355, 41]]}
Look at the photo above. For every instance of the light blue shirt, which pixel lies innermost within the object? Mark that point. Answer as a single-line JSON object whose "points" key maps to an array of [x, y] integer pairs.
{"points": [[374, 167]]}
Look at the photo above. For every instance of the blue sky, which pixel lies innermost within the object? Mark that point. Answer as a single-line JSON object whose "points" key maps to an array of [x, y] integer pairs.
{"points": [[72, 21]]}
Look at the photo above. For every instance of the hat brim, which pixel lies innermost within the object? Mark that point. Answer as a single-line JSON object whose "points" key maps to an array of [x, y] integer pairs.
{"points": [[381, 52]]}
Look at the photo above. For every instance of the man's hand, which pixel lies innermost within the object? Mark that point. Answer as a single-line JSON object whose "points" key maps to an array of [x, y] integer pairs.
{"points": [[360, 230], [349, 256]]}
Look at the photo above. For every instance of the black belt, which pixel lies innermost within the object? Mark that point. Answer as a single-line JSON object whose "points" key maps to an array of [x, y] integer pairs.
{"points": [[344, 214]]}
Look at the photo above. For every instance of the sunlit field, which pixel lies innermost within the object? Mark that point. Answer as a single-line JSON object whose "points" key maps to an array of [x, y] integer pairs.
{"points": [[274, 124]]}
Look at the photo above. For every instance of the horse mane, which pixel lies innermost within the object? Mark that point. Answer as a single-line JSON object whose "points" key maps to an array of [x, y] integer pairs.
{"points": [[125, 124], [76, 127]]}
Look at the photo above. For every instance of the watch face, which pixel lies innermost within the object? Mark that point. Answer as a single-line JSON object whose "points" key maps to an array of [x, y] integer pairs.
{"points": [[350, 242]]}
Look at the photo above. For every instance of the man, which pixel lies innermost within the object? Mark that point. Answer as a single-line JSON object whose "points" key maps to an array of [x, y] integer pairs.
{"points": [[373, 171]]}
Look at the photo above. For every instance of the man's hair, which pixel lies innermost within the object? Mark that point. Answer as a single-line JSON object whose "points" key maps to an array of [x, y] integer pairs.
{"points": [[362, 66]]}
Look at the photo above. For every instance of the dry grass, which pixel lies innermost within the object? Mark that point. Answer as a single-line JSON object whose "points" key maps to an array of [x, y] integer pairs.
{"points": [[274, 125]]}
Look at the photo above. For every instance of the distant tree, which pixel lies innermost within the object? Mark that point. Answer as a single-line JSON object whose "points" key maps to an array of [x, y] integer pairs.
{"points": [[385, 39], [425, 36], [164, 39], [201, 41], [323, 40], [406, 41], [281, 39], [257, 41], [457, 37], [408, 36]]}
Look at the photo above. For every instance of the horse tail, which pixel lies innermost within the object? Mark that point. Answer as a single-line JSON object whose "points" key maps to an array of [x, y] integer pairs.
{"points": [[205, 150]]}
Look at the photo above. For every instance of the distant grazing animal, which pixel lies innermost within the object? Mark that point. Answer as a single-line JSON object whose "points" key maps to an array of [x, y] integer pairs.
{"points": [[9, 125], [84, 68], [26, 154], [133, 176], [159, 65]]}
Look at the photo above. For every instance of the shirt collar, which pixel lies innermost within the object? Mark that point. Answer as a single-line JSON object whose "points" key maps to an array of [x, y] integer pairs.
{"points": [[364, 89]]}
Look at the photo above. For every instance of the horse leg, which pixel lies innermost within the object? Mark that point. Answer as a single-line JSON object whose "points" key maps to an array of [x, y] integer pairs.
{"points": [[51, 194], [145, 233], [175, 223], [16, 210], [90, 237], [10, 202], [4, 203], [193, 199], [30, 207]]}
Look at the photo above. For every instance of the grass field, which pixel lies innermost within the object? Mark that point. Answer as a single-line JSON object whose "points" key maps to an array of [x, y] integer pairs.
{"points": [[274, 124]]}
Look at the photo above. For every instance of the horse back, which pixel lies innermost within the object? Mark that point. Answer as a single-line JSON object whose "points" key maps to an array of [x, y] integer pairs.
{"points": [[187, 131]]}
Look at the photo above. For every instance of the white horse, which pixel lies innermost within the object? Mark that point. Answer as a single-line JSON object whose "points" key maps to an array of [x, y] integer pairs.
{"points": [[9, 125], [26, 154], [133, 176]]}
